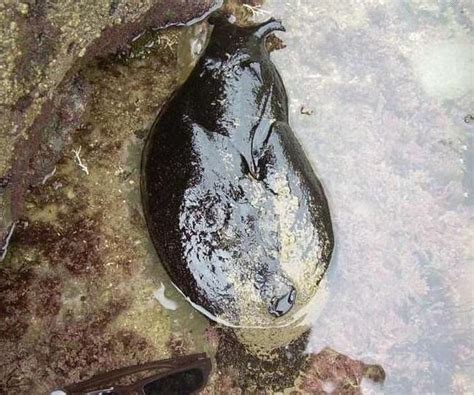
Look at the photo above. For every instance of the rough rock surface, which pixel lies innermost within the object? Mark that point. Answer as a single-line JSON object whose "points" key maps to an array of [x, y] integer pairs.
{"points": [[44, 46]]}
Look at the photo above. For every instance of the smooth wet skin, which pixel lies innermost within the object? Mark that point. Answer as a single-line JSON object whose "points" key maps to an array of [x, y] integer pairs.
{"points": [[234, 209]]}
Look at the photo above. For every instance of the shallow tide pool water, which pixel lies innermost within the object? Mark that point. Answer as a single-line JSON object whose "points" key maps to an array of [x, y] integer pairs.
{"points": [[379, 93]]}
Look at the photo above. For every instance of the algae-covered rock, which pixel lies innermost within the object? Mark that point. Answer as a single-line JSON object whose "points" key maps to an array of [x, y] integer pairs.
{"points": [[44, 45], [77, 286], [76, 289]]}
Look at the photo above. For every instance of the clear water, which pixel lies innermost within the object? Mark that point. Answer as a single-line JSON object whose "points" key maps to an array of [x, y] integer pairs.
{"points": [[388, 87]]}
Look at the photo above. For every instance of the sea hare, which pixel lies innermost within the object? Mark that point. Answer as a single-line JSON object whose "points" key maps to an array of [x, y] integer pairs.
{"points": [[234, 209]]}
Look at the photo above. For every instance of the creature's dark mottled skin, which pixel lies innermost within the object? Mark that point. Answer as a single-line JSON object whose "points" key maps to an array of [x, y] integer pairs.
{"points": [[234, 209]]}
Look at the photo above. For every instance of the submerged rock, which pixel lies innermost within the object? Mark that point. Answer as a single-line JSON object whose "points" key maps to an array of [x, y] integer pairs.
{"points": [[233, 206]]}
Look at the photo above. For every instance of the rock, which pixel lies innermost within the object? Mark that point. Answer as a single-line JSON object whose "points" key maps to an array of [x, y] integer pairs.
{"points": [[43, 97]]}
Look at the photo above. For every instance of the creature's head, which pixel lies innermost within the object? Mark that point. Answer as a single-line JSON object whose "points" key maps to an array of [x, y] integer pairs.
{"points": [[235, 83], [231, 39]]}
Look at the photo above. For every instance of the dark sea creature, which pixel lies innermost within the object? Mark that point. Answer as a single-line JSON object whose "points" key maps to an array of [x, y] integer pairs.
{"points": [[234, 209]]}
